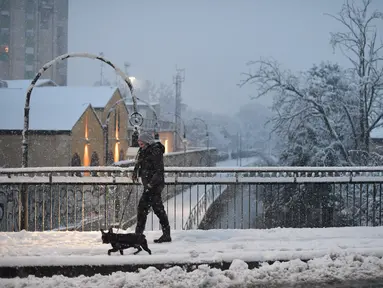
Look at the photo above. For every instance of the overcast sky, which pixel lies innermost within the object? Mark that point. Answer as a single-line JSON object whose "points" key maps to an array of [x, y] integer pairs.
{"points": [[211, 39]]}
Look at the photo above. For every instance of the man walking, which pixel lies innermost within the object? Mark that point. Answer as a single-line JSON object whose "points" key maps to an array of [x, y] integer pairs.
{"points": [[150, 167]]}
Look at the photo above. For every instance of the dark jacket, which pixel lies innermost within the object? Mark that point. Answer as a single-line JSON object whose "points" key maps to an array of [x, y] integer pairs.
{"points": [[150, 165]]}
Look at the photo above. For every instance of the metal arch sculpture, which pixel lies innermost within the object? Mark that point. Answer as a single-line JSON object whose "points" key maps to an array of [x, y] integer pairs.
{"points": [[135, 115]]}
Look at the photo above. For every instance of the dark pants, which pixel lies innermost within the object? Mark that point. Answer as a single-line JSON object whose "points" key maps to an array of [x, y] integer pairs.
{"points": [[151, 198]]}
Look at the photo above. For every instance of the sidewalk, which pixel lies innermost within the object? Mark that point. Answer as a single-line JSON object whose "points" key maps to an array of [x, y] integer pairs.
{"points": [[192, 246]]}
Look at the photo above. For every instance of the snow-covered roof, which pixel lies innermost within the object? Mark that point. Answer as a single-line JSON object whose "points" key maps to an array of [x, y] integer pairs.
{"points": [[24, 83], [51, 108]]}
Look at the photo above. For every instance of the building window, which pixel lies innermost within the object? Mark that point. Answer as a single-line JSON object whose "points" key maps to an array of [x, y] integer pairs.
{"points": [[30, 25], [29, 58], [4, 38], [46, 13], [29, 42], [28, 68], [4, 30], [60, 40], [117, 123], [30, 33], [4, 5], [30, 16], [4, 21], [30, 6], [29, 50], [29, 74]]}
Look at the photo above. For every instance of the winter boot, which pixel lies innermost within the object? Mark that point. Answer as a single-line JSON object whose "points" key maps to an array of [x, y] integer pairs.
{"points": [[165, 236]]}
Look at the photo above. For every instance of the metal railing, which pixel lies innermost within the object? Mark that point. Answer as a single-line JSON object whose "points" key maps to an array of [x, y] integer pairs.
{"points": [[196, 215], [90, 198]]}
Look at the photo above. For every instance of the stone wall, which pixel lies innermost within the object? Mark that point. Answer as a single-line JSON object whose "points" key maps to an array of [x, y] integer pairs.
{"points": [[45, 150], [197, 157]]}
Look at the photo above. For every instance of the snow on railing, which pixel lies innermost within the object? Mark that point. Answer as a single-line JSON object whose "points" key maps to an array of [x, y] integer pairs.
{"points": [[192, 175], [261, 169], [78, 191]]}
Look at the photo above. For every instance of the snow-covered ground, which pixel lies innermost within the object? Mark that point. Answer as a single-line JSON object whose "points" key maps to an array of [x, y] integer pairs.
{"points": [[192, 246], [340, 253], [288, 274], [326, 269], [178, 208]]}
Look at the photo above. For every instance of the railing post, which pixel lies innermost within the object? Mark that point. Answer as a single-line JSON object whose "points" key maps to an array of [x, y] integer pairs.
{"points": [[23, 202], [105, 207]]}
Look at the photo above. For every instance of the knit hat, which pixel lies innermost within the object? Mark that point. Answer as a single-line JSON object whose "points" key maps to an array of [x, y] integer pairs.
{"points": [[146, 138]]}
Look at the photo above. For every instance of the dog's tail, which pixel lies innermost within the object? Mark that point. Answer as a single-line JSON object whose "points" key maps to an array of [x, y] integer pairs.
{"points": [[144, 245]]}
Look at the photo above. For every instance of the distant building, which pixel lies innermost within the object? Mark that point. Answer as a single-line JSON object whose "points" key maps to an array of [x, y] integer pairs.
{"points": [[33, 32], [66, 126]]}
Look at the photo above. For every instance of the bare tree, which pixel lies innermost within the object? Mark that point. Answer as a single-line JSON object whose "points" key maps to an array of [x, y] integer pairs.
{"points": [[360, 45], [355, 98], [298, 99]]}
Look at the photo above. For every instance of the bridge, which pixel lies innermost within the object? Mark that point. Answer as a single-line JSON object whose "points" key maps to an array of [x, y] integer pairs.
{"points": [[343, 199], [58, 199]]}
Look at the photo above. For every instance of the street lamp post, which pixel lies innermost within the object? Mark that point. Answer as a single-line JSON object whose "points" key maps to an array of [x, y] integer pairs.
{"points": [[25, 145]]}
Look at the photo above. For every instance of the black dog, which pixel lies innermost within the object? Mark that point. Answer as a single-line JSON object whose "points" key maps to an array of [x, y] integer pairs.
{"points": [[120, 242]]}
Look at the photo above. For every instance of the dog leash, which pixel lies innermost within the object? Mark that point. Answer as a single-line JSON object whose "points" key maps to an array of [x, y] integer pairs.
{"points": [[123, 211], [127, 200]]}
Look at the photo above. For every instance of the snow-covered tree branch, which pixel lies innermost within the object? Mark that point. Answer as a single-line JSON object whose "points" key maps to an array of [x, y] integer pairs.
{"points": [[305, 102], [359, 44], [338, 107]]}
